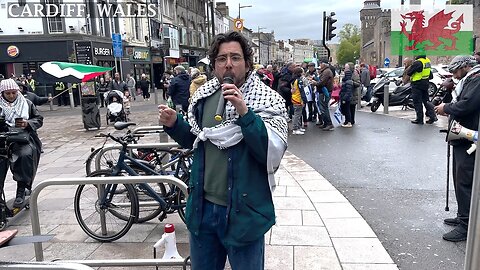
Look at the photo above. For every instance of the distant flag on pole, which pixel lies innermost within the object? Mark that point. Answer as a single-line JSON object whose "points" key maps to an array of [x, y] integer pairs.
{"points": [[438, 31]]}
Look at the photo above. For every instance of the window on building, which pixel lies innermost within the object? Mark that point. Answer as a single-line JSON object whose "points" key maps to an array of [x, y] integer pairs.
{"points": [[54, 23]]}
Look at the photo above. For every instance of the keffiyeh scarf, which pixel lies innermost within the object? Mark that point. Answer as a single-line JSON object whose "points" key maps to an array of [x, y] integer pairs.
{"points": [[459, 86], [11, 110], [263, 101]]}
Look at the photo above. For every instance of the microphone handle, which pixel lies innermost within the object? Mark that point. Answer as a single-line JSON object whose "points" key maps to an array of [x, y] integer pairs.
{"points": [[220, 108], [221, 101]]}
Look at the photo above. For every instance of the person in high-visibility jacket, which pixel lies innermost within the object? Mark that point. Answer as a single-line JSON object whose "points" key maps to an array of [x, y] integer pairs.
{"points": [[31, 82], [420, 74]]}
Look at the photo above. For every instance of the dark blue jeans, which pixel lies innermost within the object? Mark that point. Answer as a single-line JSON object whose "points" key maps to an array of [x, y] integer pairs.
{"points": [[322, 102], [208, 252]]}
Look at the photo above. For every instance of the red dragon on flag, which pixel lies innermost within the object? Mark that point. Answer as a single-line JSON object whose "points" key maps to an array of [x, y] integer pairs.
{"points": [[436, 32]]}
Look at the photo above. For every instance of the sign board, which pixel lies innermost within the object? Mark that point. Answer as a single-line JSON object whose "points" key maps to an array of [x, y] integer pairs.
{"points": [[117, 45], [386, 62], [83, 52], [238, 24]]}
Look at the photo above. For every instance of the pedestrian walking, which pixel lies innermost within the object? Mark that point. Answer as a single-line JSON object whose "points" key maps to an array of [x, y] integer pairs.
{"points": [[346, 95], [326, 81], [130, 81], [466, 111], [179, 89], [144, 87], [420, 75], [230, 206]]}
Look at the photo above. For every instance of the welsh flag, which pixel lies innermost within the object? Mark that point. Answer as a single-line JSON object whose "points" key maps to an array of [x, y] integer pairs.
{"points": [[437, 31], [51, 72]]}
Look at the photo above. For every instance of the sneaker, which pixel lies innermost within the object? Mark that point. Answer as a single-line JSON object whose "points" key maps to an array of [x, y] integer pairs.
{"points": [[418, 122], [452, 221], [347, 125], [328, 128], [302, 130], [431, 121], [319, 123], [297, 132], [456, 235]]}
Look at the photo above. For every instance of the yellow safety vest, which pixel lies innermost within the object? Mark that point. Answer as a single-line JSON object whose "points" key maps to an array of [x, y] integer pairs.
{"points": [[32, 84], [59, 86], [425, 74]]}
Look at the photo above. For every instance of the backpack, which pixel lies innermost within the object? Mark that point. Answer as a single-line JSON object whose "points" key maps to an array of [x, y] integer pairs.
{"points": [[373, 71]]}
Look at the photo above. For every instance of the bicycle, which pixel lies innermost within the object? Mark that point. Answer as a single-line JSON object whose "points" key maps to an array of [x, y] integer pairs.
{"points": [[118, 205]]}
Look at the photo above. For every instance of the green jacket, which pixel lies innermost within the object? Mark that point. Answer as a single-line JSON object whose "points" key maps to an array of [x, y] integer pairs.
{"points": [[250, 206]]}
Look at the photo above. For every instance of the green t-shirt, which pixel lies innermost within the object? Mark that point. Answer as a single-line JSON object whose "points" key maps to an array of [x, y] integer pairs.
{"points": [[216, 163]]}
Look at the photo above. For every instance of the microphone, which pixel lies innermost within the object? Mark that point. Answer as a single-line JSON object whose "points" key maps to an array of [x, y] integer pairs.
{"points": [[221, 101]]}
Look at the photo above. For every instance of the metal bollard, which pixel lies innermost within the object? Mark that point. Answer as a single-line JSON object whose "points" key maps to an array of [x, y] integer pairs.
{"points": [[359, 101], [155, 95], [51, 101], [72, 102], [386, 96]]}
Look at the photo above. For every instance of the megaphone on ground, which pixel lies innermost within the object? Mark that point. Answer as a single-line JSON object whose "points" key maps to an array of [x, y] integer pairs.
{"points": [[457, 131]]}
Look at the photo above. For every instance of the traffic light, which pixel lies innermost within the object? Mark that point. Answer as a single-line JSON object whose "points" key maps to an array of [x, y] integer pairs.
{"points": [[330, 26]]}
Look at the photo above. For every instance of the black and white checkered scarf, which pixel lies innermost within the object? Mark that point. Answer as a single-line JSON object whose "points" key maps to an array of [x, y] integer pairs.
{"points": [[261, 99]]}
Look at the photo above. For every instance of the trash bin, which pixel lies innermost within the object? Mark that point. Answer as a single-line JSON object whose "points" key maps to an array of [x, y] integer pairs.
{"points": [[90, 112]]}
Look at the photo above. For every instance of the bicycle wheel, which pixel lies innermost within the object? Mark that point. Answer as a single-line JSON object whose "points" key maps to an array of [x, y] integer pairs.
{"points": [[148, 207], [180, 200], [108, 159], [90, 211], [90, 162]]}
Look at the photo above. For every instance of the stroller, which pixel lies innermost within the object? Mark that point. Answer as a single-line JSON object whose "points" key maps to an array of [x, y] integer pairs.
{"points": [[115, 110]]}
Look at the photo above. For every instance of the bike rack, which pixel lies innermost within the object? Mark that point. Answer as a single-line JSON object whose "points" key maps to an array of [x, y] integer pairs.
{"points": [[97, 180], [160, 146]]}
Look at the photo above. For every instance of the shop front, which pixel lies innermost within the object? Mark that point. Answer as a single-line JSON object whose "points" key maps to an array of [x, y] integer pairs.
{"points": [[103, 54], [138, 63], [192, 56]]}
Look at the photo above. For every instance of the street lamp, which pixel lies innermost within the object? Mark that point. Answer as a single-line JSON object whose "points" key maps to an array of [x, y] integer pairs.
{"points": [[240, 7], [259, 43]]}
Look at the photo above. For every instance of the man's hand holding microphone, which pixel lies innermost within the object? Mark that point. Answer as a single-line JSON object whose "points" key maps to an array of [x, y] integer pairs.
{"points": [[231, 93]]}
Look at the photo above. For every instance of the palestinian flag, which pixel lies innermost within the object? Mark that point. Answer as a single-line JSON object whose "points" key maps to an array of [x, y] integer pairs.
{"points": [[436, 31], [52, 72]]}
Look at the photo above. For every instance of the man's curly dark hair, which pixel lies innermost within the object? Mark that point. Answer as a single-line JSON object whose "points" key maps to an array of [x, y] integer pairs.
{"points": [[229, 37]]}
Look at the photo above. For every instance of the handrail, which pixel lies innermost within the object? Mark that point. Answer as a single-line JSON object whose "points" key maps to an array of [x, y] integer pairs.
{"points": [[141, 130], [44, 265], [159, 146], [132, 262], [85, 181]]}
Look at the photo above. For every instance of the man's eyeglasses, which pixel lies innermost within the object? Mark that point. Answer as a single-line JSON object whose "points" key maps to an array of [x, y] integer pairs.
{"points": [[223, 59]]}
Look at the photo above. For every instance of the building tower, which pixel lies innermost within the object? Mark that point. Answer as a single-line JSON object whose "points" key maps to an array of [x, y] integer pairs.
{"points": [[368, 18]]}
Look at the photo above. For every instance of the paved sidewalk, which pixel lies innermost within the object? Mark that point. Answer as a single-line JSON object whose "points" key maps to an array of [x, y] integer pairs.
{"points": [[317, 228]]}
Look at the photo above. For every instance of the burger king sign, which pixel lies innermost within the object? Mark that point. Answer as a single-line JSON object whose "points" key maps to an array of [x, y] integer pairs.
{"points": [[13, 51]]}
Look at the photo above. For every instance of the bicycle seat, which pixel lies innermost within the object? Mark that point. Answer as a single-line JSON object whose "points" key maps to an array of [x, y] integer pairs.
{"points": [[123, 125]]}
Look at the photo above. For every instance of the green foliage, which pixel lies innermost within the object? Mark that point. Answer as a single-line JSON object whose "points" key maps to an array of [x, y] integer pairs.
{"points": [[349, 48]]}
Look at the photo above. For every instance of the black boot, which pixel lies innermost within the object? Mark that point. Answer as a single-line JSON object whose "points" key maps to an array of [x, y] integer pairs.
{"points": [[20, 196]]}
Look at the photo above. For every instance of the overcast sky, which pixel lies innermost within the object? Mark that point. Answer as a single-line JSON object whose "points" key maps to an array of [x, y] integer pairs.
{"points": [[301, 18]]}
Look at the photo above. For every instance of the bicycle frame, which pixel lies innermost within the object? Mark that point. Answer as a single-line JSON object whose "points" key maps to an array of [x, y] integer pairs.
{"points": [[122, 165]]}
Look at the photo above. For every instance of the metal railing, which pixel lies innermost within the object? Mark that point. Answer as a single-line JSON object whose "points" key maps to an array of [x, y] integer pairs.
{"points": [[86, 181], [133, 262], [44, 265], [148, 130]]}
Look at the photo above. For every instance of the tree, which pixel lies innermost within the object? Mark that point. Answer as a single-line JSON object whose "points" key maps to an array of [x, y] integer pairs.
{"points": [[349, 48]]}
